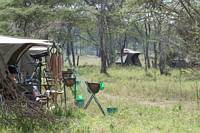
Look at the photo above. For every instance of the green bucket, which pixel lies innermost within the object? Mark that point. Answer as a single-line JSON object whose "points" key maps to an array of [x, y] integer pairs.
{"points": [[76, 88], [80, 101], [78, 82]]}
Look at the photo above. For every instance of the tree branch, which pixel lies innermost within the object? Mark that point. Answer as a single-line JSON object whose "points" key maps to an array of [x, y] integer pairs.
{"points": [[186, 9]]}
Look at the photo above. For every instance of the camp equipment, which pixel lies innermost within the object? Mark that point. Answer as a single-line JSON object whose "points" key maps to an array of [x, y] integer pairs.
{"points": [[94, 88], [80, 101], [112, 110], [13, 48], [69, 80], [102, 85]]}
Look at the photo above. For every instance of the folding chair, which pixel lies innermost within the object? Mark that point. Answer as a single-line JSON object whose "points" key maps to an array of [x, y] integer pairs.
{"points": [[93, 88], [50, 87]]}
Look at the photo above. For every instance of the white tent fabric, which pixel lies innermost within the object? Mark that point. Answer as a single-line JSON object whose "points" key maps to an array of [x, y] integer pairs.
{"points": [[38, 48], [11, 40], [13, 48], [130, 57]]}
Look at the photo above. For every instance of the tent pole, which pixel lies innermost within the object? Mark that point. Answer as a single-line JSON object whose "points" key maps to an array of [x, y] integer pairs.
{"points": [[40, 75]]}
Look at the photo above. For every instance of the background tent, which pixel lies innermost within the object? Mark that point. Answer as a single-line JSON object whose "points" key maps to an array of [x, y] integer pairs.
{"points": [[130, 57], [12, 49]]}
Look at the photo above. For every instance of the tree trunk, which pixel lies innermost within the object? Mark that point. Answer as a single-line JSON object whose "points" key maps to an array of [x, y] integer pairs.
{"points": [[80, 48], [155, 46], [73, 54], [155, 55], [103, 51], [70, 47], [102, 36], [97, 51], [111, 47], [147, 55], [145, 61], [147, 33], [76, 49], [77, 63], [145, 47], [68, 53], [161, 59], [25, 29], [122, 48]]}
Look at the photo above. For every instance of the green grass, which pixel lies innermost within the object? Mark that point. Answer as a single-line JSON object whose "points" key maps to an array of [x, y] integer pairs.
{"points": [[147, 103], [134, 118], [134, 82]]}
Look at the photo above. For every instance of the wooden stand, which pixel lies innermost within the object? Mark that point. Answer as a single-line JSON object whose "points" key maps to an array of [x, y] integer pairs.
{"points": [[93, 88], [69, 80]]}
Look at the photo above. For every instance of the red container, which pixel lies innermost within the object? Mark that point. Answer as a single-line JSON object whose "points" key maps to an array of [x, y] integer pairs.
{"points": [[93, 87], [69, 82]]}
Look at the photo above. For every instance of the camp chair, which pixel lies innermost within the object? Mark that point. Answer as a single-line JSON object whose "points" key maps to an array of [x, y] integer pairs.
{"points": [[50, 81], [51, 91], [28, 91], [93, 88]]}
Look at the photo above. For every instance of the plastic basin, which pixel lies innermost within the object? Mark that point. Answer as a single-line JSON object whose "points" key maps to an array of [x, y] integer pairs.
{"points": [[112, 110]]}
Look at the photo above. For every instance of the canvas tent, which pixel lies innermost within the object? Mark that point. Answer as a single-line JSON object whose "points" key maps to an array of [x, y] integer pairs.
{"points": [[12, 48], [26, 61], [178, 62], [130, 57]]}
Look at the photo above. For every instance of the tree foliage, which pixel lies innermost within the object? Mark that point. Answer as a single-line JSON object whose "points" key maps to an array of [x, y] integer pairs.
{"points": [[149, 25]]}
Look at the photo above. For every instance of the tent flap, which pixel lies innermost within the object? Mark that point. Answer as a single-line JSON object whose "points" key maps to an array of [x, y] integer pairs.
{"points": [[13, 48]]}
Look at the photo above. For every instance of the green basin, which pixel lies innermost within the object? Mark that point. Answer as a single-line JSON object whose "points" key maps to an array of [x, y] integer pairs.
{"points": [[112, 110]]}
